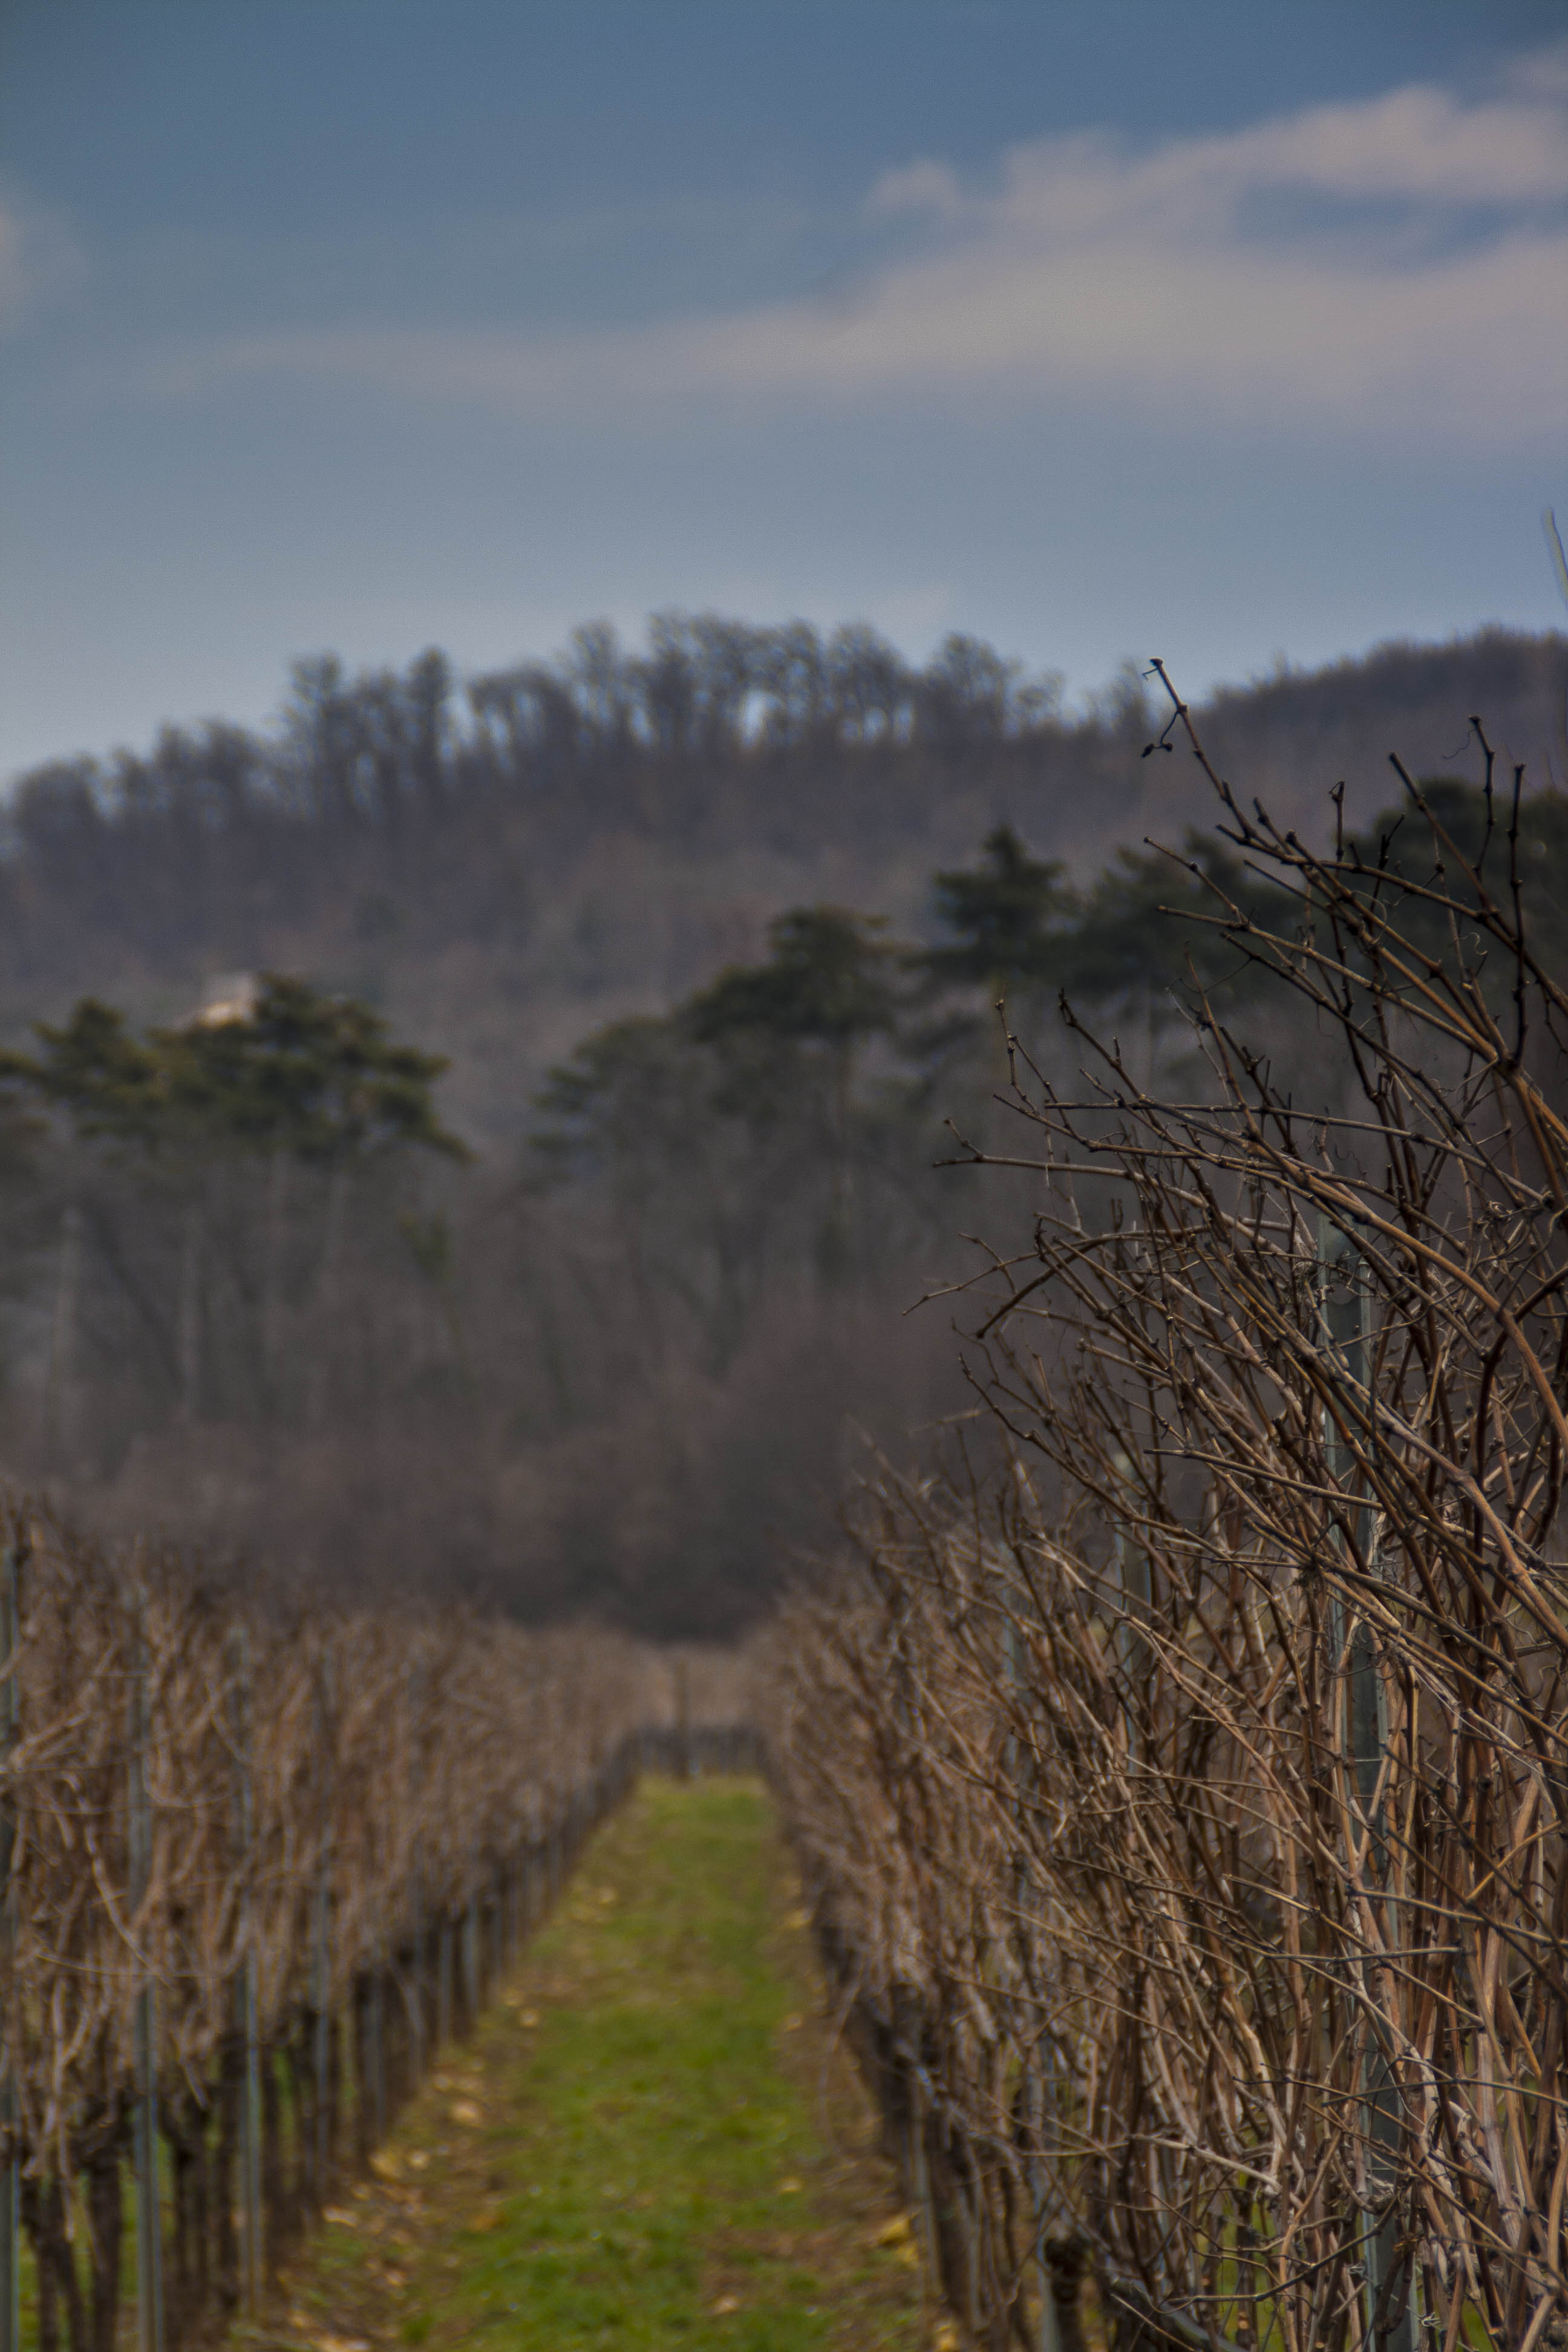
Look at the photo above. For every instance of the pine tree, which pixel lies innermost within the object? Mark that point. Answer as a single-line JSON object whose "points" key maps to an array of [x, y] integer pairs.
{"points": [[1006, 917]]}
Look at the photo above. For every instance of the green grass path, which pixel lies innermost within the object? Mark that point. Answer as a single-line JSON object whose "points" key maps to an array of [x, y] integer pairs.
{"points": [[652, 2141]]}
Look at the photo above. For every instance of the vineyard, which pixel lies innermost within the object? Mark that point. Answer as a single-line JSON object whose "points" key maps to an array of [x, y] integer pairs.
{"points": [[1178, 1773], [1185, 1803], [258, 1868]]}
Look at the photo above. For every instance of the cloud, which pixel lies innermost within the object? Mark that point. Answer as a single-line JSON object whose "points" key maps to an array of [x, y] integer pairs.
{"points": [[930, 188], [1397, 264]]}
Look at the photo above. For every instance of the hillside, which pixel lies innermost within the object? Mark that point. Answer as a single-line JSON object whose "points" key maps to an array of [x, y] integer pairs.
{"points": [[597, 1318], [504, 867]]}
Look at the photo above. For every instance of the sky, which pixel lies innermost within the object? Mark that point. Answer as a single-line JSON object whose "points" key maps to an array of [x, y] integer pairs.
{"points": [[1228, 331]]}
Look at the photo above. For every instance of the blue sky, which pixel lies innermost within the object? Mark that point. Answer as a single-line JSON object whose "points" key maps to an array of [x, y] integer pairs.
{"points": [[1222, 330]]}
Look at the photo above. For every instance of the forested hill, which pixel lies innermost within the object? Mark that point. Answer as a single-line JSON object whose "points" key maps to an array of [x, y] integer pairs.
{"points": [[534, 1206], [502, 866]]}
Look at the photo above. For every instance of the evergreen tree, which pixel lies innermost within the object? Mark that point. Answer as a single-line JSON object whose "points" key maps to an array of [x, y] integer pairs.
{"points": [[1150, 925], [299, 1075], [827, 982], [1006, 917], [1397, 856], [316, 1076], [107, 1082], [302, 1072], [828, 986]]}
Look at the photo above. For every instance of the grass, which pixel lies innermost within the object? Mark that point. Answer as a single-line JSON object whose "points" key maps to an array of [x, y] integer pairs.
{"points": [[651, 2142]]}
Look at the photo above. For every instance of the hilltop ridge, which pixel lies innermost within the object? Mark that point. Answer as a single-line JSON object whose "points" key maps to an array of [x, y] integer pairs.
{"points": [[504, 864]]}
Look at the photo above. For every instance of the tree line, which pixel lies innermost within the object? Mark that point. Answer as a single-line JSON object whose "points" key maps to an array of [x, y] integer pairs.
{"points": [[384, 816], [258, 1286], [363, 772]]}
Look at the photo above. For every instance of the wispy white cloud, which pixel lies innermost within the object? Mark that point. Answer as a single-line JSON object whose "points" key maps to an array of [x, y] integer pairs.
{"points": [[1398, 264]]}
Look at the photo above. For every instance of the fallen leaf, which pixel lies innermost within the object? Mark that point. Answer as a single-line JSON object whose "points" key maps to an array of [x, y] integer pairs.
{"points": [[790, 2187], [792, 2024], [728, 2303], [418, 2157], [947, 2338], [386, 2164], [484, 2222], [464, 2110], [798, 1920], [528, 2017], [896, 2233], [340, 2344], [341, 2218]]}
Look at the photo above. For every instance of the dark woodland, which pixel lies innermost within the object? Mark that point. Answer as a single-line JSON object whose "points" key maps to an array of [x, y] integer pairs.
{"points": [[486, 1138]]}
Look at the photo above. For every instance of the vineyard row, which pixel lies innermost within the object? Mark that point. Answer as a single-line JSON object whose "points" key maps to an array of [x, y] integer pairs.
{"points": [[257, 1868], [1185, 1800]]}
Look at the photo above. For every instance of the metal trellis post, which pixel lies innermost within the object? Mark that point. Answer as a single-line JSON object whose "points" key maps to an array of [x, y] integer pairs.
{"points": [[144, 2142], [1040, 2085], [246, 1991], [377, 2023], [321, 1928], [417, 1932], [1348, 1333], [444, 1981], [1132, 1582], [471, 1961], [11, 2173]]}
